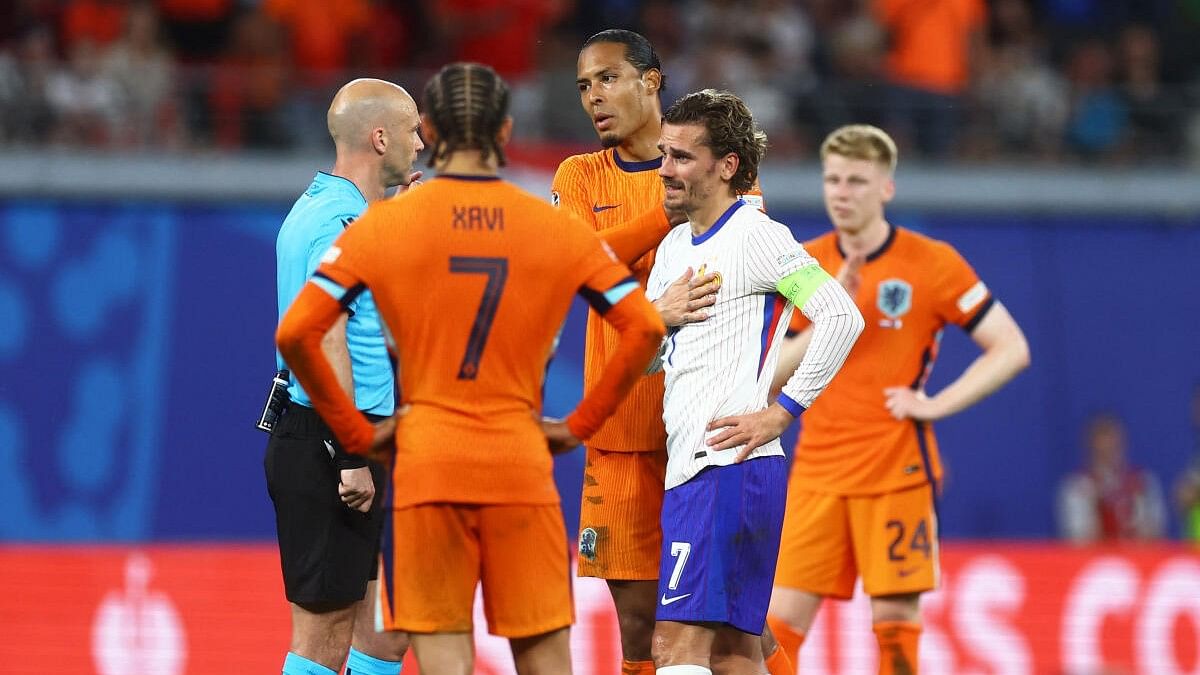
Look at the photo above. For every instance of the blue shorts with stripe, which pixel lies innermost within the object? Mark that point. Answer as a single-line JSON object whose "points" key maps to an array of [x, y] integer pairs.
{"points": [[721, 534]]}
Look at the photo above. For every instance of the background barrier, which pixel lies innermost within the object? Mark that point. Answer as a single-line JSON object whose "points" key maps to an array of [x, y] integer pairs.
{"points": [[1017, 609]]}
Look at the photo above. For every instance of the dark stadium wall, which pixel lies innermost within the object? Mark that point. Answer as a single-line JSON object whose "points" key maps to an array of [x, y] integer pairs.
{"points": [[136, 351]]}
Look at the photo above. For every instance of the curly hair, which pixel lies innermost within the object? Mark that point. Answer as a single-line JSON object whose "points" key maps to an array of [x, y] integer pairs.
{"points": [[467, 104], [729, 128], [862, 141]]}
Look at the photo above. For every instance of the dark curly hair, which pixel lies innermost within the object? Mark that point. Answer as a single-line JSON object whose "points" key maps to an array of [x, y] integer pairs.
{"points": [[467, 104], [729, 128]]}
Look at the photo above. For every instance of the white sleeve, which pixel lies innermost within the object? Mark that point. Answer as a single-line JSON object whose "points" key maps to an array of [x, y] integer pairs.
{"points": [[837, 323], [772, 253]]}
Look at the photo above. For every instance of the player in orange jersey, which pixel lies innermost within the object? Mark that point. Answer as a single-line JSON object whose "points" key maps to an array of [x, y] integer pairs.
{"points": [[862, 495], [620, 79], [473, 278]]}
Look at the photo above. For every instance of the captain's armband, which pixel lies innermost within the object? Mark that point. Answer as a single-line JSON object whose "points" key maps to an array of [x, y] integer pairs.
{"points": [[801, 284]]}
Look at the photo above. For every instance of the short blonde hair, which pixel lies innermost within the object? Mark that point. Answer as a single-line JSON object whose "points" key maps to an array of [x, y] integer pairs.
{"points": [[862, 141]]}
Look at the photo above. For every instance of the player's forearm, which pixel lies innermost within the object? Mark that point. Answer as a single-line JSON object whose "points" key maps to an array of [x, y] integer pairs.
{"points": [[988, 372], [836, 325], [641, 332], [791, 354], [299, 339], [630, 241], [337, 352]]}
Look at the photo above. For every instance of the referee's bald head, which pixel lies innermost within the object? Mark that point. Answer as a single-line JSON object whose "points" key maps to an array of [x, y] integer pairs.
{"points": [[364, 105]]}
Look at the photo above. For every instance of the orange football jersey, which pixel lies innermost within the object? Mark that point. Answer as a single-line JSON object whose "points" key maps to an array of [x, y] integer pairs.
{"points": [[605, 191], [473, 279], [911, 288]]}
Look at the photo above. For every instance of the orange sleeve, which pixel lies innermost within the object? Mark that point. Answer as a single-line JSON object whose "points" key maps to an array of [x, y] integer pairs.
{"points": [[568, 190], [631, 240], [962, 298], [311, 315], [342, 275], [641, 331]]}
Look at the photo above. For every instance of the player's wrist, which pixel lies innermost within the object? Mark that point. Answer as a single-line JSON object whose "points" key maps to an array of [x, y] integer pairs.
{"points": [[576, 426], [789, 405]]}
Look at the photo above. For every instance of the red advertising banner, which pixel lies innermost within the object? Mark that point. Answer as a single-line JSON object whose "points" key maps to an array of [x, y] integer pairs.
{"points": [[1003, 608]]}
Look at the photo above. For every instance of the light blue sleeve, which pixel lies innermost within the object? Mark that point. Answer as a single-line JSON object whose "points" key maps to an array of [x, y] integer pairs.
{"points": [[323, 238]]}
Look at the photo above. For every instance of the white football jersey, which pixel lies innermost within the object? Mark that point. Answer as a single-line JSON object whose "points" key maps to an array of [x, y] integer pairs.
{"points": [[724, 365]]}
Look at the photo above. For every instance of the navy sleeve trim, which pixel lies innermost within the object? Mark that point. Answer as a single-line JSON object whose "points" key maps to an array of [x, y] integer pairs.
{"points": [[790, 405], [602, 302], [969, 326]]}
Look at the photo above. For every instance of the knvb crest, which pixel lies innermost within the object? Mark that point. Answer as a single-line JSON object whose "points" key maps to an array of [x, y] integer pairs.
{"points": [[587, 543], [894, 298]]}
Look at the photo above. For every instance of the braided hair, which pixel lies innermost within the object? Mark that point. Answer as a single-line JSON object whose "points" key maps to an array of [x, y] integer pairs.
{"points": [[467, 103]]}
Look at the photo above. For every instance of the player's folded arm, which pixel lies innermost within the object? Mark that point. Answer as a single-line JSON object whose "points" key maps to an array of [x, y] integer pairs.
{"points": [[634, 238], [299, 336]]}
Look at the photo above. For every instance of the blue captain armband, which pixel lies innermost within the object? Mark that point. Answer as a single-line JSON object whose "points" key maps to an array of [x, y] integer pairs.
{"points": [[602, 302], [801, 284]]}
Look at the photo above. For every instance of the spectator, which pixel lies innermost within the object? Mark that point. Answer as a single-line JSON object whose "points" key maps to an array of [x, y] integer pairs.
{"points": [[1098, 117], [84, 100], [1154, 125], [850, 95], [934, 46], [1024, 101], [249, 85], [25, 74], [320, 34], [1109, 500], [144, 73], [502, 33]]}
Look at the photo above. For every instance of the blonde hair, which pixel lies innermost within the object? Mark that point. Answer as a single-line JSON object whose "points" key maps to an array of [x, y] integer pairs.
{"points": [[862, 141]]}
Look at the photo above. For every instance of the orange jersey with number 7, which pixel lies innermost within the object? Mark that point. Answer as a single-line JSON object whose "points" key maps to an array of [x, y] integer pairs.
{"points": [[473, 278]]}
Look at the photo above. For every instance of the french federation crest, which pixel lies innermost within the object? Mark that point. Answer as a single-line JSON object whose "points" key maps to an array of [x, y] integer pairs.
{"points": [[587, 543], [894, 297]]}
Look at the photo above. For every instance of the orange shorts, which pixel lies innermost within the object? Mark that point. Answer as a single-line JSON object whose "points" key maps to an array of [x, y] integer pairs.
{"points": [[828, 540], [436, 554], [620, 535]]}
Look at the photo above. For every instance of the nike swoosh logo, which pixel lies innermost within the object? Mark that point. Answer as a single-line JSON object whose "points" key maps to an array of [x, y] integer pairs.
{"points": [[908, 572], [598, 208], [666, 601]]}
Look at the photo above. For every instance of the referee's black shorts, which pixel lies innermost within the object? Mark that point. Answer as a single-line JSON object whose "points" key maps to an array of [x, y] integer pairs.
{"points": [[328, 550]]}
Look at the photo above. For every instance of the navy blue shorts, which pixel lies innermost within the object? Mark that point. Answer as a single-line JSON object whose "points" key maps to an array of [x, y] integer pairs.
{"points": [[720, 541]]}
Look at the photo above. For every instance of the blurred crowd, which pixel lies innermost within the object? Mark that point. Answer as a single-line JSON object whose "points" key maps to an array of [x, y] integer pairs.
{"points": [[1073, 81]]}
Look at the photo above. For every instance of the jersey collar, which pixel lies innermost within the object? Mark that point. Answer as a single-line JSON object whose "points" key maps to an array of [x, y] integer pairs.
{"points": [[329, 180], [474, 178], [634, 167], [696, 241], [887, 243]]}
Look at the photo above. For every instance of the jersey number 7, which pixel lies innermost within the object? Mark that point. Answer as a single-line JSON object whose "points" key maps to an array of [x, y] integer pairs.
{"points": [[496, 270]]}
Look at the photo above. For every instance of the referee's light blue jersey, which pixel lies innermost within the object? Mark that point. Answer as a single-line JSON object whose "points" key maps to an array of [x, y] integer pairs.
{"points": [[316, 220]]}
